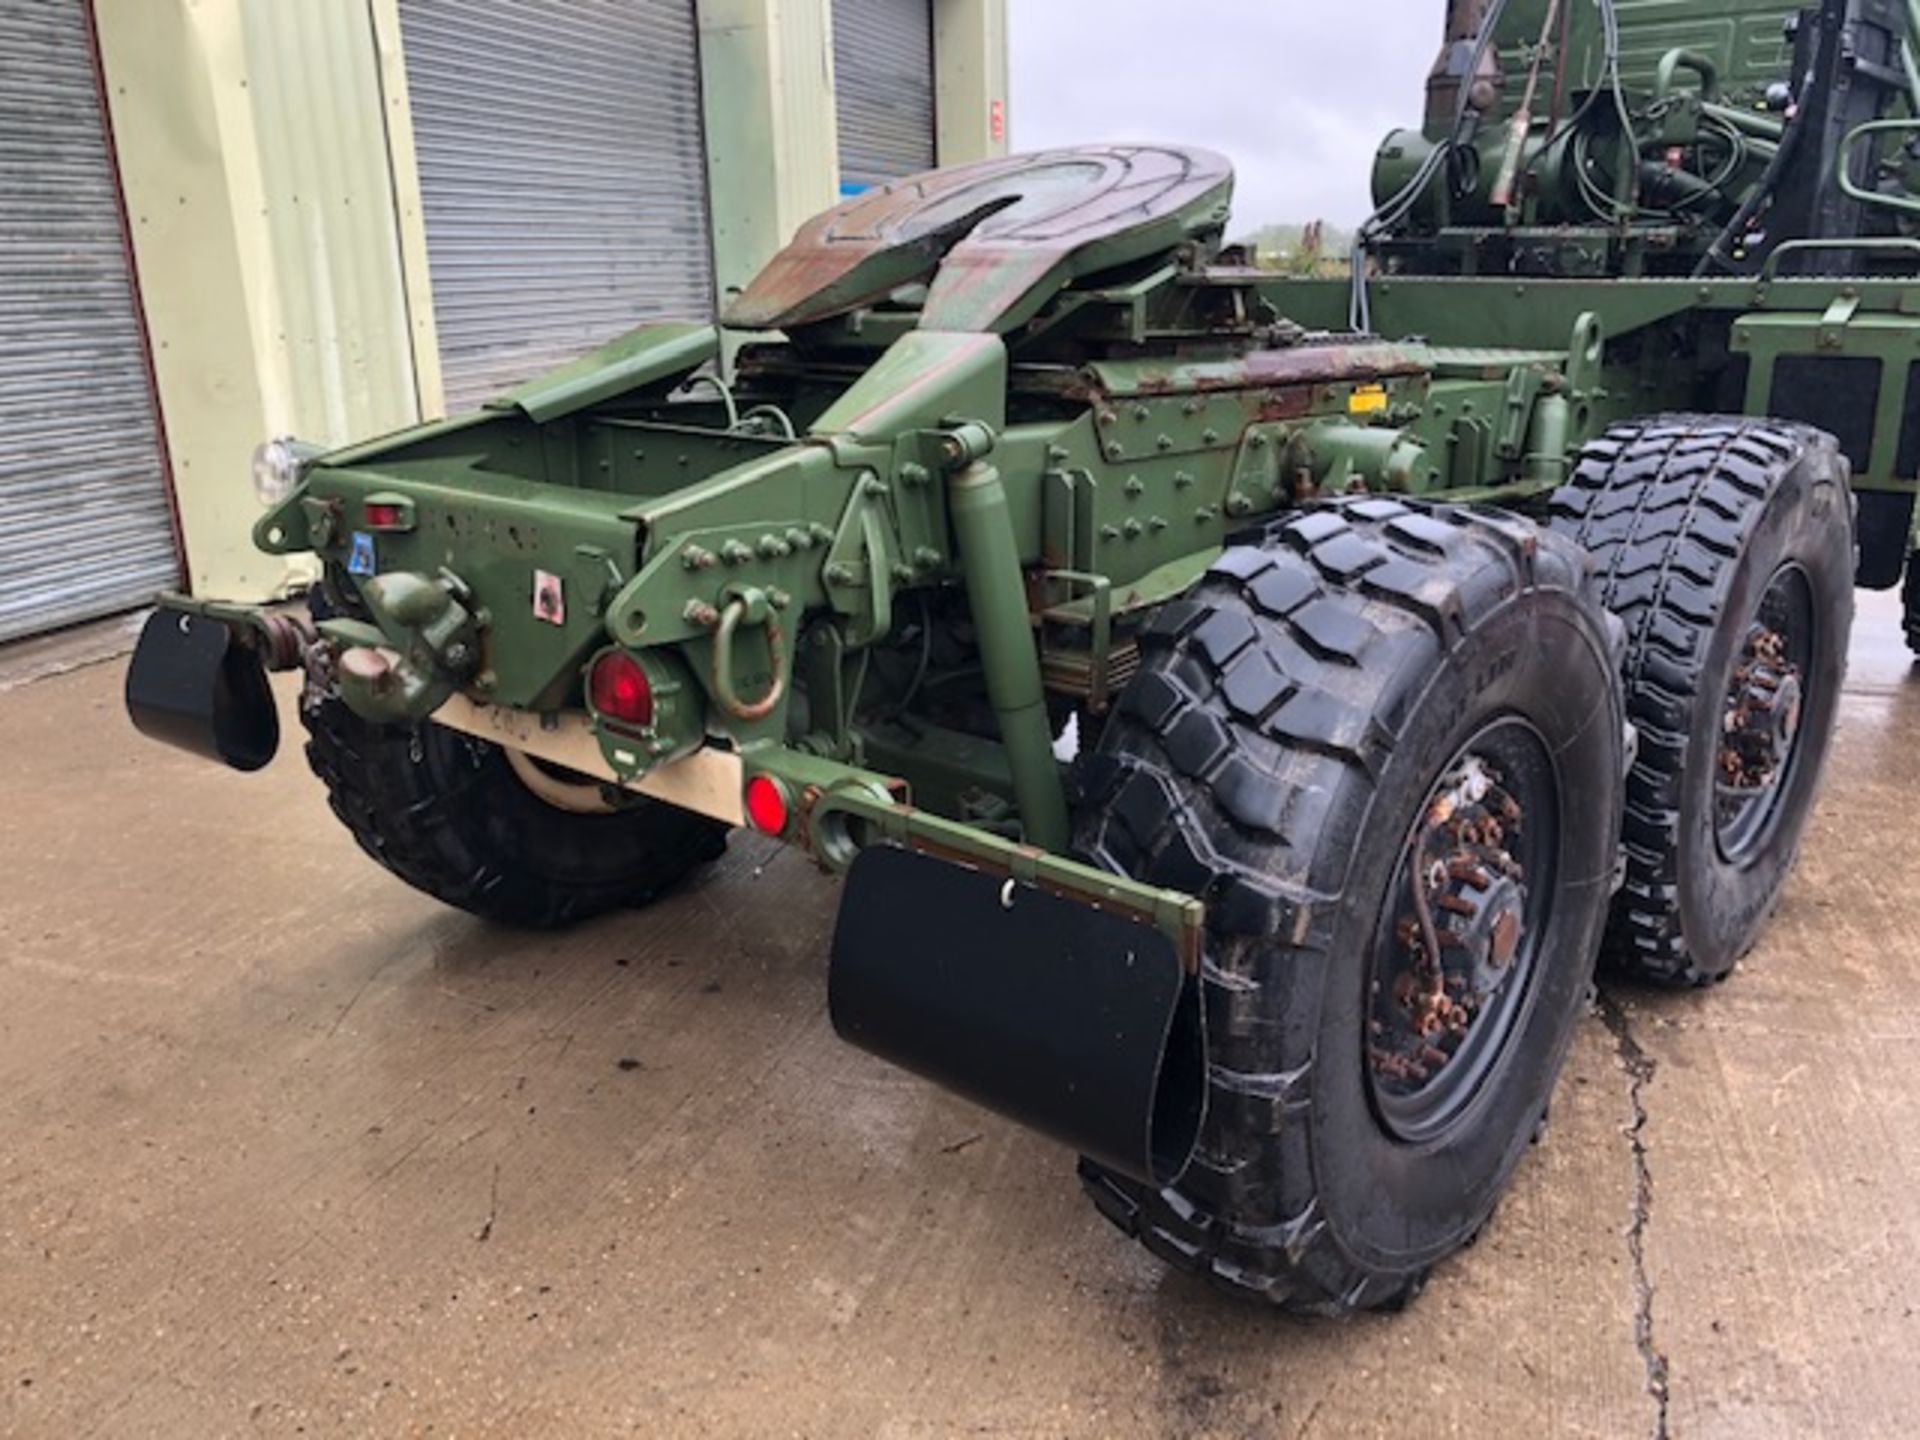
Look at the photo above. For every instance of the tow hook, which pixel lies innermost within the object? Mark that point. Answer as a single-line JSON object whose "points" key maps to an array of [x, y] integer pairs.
{"points": [[423, 643]]}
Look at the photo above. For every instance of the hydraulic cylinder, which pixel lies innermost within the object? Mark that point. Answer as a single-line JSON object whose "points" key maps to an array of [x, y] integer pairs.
{"points": [[997, 594]]}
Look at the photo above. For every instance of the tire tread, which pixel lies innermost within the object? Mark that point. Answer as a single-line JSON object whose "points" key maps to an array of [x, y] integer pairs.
{"points": [[1233, 783], [432, 833], [1665, 507]]}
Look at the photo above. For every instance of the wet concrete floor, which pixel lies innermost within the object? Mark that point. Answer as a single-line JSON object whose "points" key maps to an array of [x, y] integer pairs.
{"points": [[290, 1149]]}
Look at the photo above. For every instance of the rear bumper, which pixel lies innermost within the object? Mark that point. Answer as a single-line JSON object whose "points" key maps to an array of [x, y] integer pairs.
{"points": [[1063, 997], [709, 781]]}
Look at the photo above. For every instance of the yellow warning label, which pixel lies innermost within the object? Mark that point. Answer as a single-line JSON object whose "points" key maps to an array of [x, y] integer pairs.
{"points": [[1367, 400]]}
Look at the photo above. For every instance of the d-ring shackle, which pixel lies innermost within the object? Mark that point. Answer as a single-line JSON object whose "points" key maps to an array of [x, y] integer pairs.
{"points": [[735, 611]]}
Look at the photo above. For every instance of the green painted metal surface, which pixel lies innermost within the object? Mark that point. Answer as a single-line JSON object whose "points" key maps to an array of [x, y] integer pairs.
{"points": [[1016, 407]]}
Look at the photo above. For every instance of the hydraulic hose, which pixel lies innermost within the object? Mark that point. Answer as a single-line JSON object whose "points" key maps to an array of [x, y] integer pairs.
{"points": [[1718, 253], [1360, 307]]}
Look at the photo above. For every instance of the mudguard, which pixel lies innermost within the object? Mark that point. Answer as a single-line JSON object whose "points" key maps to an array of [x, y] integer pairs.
{"points": [[199, 685], [1078, 1022]]}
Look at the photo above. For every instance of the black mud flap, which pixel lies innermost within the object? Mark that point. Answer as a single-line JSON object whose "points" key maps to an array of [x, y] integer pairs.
{"points": [[1079, 1023], [197, 685]]}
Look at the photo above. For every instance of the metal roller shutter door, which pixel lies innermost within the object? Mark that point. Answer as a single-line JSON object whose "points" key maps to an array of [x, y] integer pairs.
{"points": [[563, 177], [883, 89], [85, 522]]}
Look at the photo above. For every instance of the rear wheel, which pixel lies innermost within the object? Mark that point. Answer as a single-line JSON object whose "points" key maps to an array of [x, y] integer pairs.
{"points": [[1726, 547], [1385, 745], [494, 834]]}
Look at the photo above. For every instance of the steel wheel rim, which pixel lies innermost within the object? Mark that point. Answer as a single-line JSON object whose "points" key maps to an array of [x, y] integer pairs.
{"points": [[1761, 716], [563, 789], [1430, 1044]]}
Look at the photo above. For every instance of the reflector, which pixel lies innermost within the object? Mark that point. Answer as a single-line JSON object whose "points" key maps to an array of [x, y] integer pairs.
{"points": [[767, 805]]}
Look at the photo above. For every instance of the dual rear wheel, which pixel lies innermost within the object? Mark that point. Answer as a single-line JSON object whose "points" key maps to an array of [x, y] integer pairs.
{"points": [[1390, 746]]}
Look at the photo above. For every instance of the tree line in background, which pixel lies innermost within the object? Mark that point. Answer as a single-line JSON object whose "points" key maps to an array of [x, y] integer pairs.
{"points": [[1313, 248]]}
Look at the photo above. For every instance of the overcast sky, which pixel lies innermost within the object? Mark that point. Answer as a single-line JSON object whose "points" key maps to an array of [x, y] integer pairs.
{"points": [[1297, 93]]}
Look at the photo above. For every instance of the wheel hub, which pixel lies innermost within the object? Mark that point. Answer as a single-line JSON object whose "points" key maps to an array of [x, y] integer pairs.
{"points": [[1488, 933], [1458, 934], [563, 789], [1762, 714], [1761, 717]]}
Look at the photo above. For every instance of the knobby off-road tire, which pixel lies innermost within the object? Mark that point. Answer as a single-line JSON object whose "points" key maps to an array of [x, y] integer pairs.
{"points": [[1701, 528], [446, 813], [1292, 719]]}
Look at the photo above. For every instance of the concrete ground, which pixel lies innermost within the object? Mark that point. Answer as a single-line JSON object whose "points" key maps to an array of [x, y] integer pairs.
{"points": [[291, 1149]]}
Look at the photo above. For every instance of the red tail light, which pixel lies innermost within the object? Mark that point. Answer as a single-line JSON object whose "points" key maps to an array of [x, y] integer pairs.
{"points": [[383, 515], [619, 689], [767, 805]]}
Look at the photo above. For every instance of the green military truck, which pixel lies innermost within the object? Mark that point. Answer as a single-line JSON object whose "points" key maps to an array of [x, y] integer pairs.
{"points": [[1427, 634]]}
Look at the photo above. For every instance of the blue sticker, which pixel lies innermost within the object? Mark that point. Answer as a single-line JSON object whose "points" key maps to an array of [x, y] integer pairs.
{"points": [[360, 558]]}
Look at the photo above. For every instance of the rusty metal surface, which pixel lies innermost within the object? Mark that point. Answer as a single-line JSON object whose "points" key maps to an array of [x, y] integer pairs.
{"points": [[993, 239], [1761, 713], [266, 1171], [1294, 365], [1446, 973]]}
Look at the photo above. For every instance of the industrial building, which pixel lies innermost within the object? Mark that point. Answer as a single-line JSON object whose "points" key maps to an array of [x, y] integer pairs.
{"points": [[224, 220]]}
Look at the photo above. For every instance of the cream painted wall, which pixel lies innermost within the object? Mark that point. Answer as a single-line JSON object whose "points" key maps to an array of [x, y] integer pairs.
{"points": [[772, 138], [773, 153], [254, 157], [970, 79]]}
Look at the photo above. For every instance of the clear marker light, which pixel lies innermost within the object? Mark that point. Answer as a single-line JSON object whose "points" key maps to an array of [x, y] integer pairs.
{"points": [[277, 468]]}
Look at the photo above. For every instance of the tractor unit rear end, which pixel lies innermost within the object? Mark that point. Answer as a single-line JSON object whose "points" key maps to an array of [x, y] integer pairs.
{"points": [[1428, 634]]}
